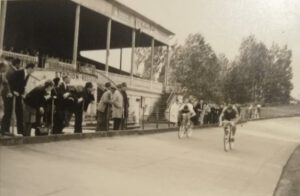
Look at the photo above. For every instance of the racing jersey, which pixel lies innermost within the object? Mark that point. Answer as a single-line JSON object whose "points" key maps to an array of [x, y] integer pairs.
{"points": [[230, 114], [190, 108]]}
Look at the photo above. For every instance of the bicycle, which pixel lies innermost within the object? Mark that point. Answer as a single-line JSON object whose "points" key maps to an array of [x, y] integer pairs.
{"points": [[228, 140], [185, 128]]}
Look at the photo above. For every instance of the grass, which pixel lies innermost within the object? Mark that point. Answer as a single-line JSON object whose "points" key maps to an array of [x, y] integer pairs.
{"points": [[278, 111]]}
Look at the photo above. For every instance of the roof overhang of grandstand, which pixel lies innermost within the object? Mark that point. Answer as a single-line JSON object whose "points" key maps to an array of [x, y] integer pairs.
{"points": [[48, 26]]}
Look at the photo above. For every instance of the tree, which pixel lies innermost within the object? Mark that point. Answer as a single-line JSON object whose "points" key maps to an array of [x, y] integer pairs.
{"points": [[259, 74], [278, 84], [196, 68]]}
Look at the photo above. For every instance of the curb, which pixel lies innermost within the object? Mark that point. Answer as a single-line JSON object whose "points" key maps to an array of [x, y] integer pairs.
{"points": [[11, 141], [285, 183]]}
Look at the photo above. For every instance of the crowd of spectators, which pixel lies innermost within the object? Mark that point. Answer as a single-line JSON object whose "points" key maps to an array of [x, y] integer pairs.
{"points": [[49, 108]]}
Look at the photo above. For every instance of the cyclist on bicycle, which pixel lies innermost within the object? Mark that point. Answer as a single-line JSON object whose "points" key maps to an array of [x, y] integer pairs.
{"points": [[229, 115], [186, 108]]}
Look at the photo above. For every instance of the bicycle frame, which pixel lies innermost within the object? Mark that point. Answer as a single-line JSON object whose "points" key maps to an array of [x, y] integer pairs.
{"points": [[227, 135], [185, 126]]}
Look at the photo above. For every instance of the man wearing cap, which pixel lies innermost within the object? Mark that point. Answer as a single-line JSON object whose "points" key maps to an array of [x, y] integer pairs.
{"points": [[103, 108]]}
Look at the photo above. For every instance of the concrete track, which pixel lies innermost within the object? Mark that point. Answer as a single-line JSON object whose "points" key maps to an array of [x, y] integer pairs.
{"points": [[158, 164]]}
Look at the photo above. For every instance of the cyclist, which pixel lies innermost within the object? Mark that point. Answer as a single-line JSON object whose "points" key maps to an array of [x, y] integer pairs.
{"points": [[230, 115], [186, 108]]}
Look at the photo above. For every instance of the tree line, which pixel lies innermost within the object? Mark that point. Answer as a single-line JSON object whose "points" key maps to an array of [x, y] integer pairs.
{"points": [[257, 74]]}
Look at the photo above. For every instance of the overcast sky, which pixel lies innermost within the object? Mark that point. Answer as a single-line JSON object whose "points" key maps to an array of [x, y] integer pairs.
{"points": [[224, 23]]}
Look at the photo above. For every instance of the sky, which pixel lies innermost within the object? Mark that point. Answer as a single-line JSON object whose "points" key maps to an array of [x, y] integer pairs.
{"points": [[224, 23]]}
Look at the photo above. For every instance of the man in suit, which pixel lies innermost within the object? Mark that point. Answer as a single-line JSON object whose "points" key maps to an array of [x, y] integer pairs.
{"points": [[62, 104], [83, 97], [17, 81], [35, 102]]}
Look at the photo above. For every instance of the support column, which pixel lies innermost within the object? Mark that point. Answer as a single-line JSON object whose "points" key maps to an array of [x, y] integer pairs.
{"points": [[152, 59], [167, 67], [76, 35], [132, 52], [121, 58], [108, 37], [3, 8]]}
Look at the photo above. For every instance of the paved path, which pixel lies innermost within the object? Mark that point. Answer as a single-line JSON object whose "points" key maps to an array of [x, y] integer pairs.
{"points": [[289, 184], [158, 164]]}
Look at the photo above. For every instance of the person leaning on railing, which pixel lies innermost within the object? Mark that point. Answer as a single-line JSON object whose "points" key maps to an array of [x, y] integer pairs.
{"points": [[34, 107], [83, 97]]}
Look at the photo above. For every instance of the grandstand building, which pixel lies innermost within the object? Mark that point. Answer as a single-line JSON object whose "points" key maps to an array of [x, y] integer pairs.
{"points": [[54, 33]]}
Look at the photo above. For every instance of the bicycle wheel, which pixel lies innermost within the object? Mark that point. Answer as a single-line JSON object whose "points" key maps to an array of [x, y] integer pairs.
{"points": [[189, 131], [226, 139], [181, 131], [230, 139]]}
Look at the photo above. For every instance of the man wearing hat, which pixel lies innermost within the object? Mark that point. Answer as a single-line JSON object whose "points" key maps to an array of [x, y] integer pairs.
{"points": [[103, 108]]}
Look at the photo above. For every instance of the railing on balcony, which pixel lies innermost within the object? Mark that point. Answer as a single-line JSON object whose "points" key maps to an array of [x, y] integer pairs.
{"points": [[132, 83], [57, 65], [23, 57]]}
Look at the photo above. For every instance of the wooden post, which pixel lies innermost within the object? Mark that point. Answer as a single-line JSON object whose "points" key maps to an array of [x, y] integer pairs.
{"points": [[76, 35], [132, 52], [121, 58], [108, 38], [143, 118], [157, 116], [3, 8], [152, 58], [167, 67]]}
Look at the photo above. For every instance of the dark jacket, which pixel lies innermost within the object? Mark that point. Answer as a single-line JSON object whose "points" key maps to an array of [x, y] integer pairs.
{"points": [[78, 92], [36, 97], [125, 103], [17, 81], [61, 102]]}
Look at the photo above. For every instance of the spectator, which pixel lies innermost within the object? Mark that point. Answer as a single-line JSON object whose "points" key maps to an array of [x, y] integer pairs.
{"points": [[123, 88], [198, 109], [17, 81], [214, 118], [5, 90], [51, 105], [103, 109], [258, 110], [206, 112], [83, 97], [62, 105], [34, 107], [174, 110], [117, 107]]}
